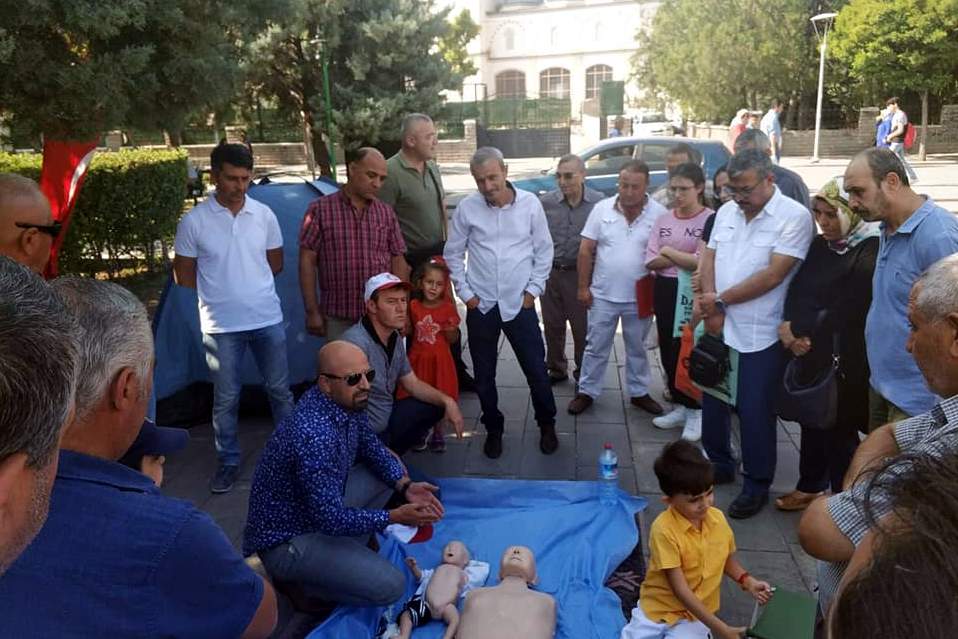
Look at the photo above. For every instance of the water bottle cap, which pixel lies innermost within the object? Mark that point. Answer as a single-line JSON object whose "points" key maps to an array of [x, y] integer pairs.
{"points": [[608, 446]]}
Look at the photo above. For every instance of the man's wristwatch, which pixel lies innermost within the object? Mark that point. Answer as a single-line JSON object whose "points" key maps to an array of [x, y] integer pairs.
{"points": [[720, 306]]}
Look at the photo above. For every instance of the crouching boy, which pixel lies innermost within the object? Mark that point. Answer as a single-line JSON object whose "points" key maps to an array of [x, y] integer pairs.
{"points": [[691, 547]]}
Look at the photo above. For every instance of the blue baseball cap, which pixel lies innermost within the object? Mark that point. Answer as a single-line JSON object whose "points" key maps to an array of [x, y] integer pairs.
{"points": [[155, 440]]}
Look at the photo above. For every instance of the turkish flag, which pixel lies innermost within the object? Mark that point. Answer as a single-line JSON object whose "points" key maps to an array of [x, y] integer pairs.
{"points": [[64, 166]]}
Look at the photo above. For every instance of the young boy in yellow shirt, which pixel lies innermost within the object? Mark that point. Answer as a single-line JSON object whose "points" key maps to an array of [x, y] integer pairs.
{"points": [[691, 547]]}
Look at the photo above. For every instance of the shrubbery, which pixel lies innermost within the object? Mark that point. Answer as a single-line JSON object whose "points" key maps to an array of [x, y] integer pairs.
{"points": [[131, 200]]}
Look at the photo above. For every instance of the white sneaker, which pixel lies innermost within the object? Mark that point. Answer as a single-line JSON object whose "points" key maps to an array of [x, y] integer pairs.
{"points": [[673, 419], [693, 425]]}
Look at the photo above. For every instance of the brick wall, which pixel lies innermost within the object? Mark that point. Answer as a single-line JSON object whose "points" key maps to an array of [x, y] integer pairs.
{"points": [[460, 151], [942, 138]]}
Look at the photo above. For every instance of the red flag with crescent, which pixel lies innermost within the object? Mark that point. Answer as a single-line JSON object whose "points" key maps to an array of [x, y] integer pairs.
{"points": [[64, 166]]}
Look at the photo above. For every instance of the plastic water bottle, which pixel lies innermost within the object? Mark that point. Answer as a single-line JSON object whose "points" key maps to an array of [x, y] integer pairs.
{"points": [[608, 476]]}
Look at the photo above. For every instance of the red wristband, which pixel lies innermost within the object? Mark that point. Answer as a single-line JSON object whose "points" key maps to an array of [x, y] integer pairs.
{"points": [[741, 579]]}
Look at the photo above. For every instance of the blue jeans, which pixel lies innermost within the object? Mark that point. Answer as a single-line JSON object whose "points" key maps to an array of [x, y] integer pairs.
{"points": [[759, 377], [526, 339], [224, 356], [408, 424], [899, 149]]}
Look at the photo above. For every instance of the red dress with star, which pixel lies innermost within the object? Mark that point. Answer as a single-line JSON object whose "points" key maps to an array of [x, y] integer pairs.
{"points": [[429, 354]]}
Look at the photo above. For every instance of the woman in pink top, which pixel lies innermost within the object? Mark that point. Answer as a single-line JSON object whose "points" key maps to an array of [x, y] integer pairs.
{"points": [[673, 245]]}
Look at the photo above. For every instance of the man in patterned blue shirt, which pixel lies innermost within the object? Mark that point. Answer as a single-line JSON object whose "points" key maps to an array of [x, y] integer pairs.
{"points": [[310, 514]]}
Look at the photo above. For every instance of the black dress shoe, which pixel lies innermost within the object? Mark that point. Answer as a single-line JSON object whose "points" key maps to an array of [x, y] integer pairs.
{"points": [[493, 446], [548, 441], [745, 506], [555, 377], [647, 404]]}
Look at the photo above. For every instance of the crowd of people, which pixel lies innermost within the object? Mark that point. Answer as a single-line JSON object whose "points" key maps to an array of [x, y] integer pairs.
{"points": [[860, 279]]}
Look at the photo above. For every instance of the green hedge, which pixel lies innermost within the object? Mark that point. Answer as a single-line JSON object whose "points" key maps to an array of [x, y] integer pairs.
{"points": [[127, 210]]}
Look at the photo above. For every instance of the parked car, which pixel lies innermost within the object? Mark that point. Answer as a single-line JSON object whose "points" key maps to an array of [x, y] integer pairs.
{"points": [[604, 160]]}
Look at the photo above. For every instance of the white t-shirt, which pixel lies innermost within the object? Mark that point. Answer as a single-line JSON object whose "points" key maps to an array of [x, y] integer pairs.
{"points": [[234, 282], [620, 248], [742, 249]]}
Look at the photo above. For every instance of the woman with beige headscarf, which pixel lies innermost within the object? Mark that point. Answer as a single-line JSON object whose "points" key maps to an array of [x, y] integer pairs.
{"points": [[830, 296]]}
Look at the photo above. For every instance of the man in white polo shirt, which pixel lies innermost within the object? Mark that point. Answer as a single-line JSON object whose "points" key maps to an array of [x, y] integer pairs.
{"points": [[758, 241], [229, 248], [614, 239]]}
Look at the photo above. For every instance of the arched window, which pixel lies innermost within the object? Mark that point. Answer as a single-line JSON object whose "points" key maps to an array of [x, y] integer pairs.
{"points": [[511, 84], [594, 77], [554, 83], [510, 37]]}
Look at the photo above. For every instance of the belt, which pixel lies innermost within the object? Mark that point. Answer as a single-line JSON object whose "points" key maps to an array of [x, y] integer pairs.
{"points": [[556, 266]]}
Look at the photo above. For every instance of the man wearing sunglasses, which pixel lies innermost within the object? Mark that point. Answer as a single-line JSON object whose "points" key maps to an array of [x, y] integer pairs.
{"points": [[320, 489], [27, 229], [757, 242]]}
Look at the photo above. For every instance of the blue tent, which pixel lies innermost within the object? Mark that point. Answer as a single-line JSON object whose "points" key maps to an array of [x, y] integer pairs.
{"points": [[181, 377]]}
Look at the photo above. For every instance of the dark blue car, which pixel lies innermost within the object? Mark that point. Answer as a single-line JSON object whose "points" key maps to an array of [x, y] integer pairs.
{"points": [[603, 161]]}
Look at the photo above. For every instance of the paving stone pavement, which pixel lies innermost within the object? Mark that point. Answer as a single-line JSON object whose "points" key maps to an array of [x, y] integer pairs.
{"points": [[767, 543]]}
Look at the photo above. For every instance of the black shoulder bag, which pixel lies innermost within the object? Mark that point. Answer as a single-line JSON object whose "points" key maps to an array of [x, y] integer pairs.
{"points": [[815, 404], [709, 361]]}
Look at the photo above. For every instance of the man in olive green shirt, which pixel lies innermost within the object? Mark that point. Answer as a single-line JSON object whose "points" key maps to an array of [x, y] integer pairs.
{"points": [[413, 187]]}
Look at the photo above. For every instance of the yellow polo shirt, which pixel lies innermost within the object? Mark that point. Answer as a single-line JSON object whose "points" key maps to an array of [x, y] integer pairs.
{"points": [[674, 542]]}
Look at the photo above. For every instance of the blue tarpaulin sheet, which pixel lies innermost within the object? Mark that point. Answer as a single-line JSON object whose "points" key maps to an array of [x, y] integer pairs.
{"points": [[578, 542], [180, 357]]}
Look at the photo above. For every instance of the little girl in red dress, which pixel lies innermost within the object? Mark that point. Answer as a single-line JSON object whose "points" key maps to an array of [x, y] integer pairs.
{"points": [[435, 324]]}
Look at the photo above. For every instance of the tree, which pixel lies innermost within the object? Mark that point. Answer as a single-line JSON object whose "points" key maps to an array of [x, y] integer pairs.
{"points": [[74, 68], [452, 46], [908, 45], [713, 57], [384, 59]]}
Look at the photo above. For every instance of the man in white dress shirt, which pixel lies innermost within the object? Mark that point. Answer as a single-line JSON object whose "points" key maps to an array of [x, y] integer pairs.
{"points": [[506, 235], [611, 262], [758, 241]]}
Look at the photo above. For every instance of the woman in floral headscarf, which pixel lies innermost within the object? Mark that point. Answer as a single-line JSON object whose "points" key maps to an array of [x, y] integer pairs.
{"points": [[830, 295]]}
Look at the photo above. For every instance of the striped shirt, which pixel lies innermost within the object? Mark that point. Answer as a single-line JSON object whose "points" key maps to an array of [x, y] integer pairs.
{"points": [[351, 246], [931, 433]]}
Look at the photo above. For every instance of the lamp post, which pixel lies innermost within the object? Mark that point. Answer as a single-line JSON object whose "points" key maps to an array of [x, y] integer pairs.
{"points": [[826, 20]]}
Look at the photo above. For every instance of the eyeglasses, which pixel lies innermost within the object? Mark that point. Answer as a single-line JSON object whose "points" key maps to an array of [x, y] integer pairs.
{"points": [[52, 230], [680, 189], [353, 378], [741, 193], [567, 176]]}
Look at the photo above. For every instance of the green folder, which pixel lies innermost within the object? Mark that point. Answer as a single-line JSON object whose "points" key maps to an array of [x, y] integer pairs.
{"points": [[788, 615]]}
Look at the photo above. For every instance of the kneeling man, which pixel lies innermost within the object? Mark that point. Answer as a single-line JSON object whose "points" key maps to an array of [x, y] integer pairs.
{"points": [[310, 517]]}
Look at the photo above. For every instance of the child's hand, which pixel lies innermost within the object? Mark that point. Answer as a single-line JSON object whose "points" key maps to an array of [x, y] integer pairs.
{"points": [[731, 632], [411, 562], [760, 590]]}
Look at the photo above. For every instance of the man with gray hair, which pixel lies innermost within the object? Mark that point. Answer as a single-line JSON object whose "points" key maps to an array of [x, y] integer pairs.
{"points": [[758, 241], [832, 527], [27, 229], [38, 371], [788, 182], [506, 235], [567, 208], [915, 233], [111, 536], [413, 187]]}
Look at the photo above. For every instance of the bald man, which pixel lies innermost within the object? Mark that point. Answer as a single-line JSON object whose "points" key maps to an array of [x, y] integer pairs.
{"points": [[345, 239], [312, 510], [27, 229]]}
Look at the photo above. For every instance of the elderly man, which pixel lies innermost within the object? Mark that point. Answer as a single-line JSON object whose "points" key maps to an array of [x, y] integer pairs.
{"points": [[567, 209], [403, 423], [771, 126], [413, 187], [38, 374], [757, 243], [27, 229], [348, 237], [915, 234], [111, 535], [309, 518], [614, 241], [506, 235], [832, 527], [788, 182], [229, 248]]}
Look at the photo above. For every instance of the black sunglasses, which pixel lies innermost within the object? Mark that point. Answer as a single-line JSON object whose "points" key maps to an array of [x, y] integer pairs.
{"points": [[52, 230], [353, 378]]}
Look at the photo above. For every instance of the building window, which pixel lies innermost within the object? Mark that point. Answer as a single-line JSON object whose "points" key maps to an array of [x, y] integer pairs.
{"points": [[594, 77], [511, 84], [510, 38], [554, 36], [554, 83]]}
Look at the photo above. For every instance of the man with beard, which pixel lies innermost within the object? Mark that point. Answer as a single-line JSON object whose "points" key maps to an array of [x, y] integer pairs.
{"points": [[916, 233], [311, 515]]}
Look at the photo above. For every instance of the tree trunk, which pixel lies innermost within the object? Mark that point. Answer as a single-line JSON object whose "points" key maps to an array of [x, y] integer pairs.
{"points": [[173, 138], [924, 125], [317, 154]]}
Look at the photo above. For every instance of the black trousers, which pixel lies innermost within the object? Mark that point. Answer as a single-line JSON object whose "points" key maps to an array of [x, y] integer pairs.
{"points": [[664, 292]]}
